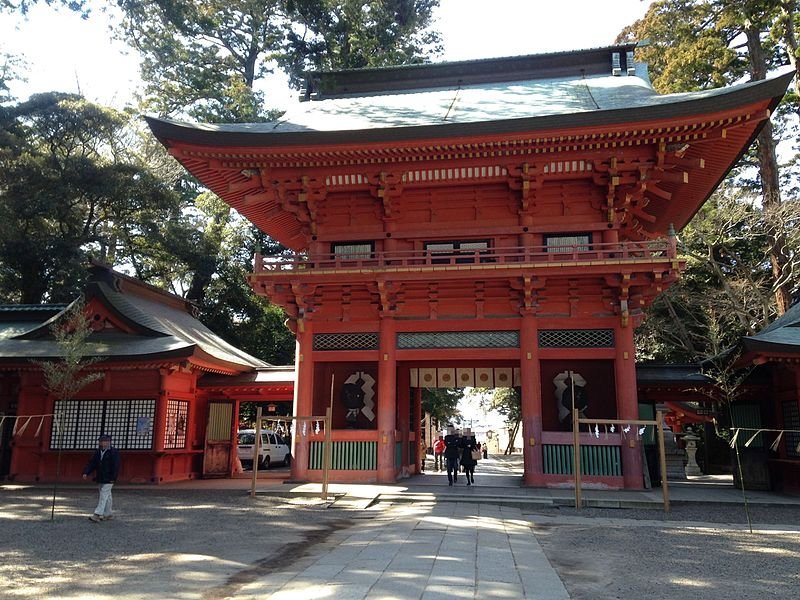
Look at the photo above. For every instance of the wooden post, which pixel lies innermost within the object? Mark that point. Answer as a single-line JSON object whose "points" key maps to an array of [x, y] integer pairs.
{"points": [[662, 458], [326, 452], [256, 452], [576, 452], [387, 401]]}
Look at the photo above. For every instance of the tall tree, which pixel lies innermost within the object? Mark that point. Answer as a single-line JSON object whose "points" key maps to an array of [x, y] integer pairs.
{"points": [[354, 34], [68, 189], [724, 247], [202, 58], [508, 402], [205, 59], [442, 404], [696, 44]]}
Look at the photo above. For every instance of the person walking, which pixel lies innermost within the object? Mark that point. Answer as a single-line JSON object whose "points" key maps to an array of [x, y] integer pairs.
{"points": [[104, 464], [438, 454], [452, 453], [469, 459]]}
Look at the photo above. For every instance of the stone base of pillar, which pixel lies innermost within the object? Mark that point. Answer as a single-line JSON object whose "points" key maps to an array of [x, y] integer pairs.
{"points": [[534, 480]]}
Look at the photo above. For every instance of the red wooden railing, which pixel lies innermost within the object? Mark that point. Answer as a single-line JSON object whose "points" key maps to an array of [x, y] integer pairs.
{"points": [[619, 251]]}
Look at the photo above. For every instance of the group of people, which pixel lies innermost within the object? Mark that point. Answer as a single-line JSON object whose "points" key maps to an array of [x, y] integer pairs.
{"points": [[454, 451]]}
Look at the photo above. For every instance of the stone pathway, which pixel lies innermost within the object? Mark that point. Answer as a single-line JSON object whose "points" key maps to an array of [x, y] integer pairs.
{"points": [[421, 551]]}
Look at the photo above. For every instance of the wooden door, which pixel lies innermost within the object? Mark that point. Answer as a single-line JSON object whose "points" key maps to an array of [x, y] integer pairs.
{"points": [[219, 440]]}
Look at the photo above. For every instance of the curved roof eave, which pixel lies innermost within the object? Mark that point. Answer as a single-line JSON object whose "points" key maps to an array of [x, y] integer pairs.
{"points": [[257, 134]]}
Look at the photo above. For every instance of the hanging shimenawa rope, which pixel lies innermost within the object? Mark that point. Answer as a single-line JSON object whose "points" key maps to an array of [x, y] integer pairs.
{"points": [[734, 438], [760, 430], [20, 426]]}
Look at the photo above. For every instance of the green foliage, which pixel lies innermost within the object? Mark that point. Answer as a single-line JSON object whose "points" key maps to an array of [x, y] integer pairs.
{"points": [[687, 47], [697, 44], [248, 321], [10, 70], [201, 59], [65, 377], [354, 34], [69, 188], [204, 59], [23, 6], [741, 247], [442, 403], [508, 402], [726, 290]]}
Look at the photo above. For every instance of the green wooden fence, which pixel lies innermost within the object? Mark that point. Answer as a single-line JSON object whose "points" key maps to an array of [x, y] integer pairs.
{"points": [[747, 415], [595, 460], [346, 456]]}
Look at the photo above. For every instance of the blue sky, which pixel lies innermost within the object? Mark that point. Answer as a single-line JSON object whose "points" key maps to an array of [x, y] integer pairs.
{"points": [[66, 53]]}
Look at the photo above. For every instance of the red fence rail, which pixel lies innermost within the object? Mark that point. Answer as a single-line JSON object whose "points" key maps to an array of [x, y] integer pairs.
{"points": [[620, 251]]}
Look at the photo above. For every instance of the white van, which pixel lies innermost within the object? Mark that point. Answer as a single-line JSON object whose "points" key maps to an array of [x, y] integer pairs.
{"points": [[273, 448]]}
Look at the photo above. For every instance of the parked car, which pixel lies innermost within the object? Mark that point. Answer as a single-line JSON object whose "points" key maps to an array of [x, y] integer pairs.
{"points": [[273, 449]]}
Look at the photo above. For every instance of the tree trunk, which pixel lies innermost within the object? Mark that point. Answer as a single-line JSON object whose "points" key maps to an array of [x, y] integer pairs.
{"points": [[770, 185], [788, 11], [511, 438]]}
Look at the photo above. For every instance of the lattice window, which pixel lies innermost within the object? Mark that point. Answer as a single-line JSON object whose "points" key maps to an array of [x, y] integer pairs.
{"points": [[450, 250], [791, 420], [459, 339], [352, 250], [576, 338], [345, 341], [578, 242], [80, 422], [175, 432]]}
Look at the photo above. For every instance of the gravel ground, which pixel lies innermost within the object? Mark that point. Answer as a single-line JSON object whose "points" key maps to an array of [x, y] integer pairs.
{"points": [[707, 512], [697, 551], [161, 544], [192, 544]]}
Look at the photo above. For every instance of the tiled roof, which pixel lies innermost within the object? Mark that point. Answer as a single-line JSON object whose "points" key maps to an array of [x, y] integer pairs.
{"points": [[782, 335], [31, 308], [522, 99], [163, 326], [669, 373]]}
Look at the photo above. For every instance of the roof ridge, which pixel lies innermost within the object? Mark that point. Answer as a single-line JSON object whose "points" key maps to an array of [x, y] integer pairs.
{"points": [[97, 269]]}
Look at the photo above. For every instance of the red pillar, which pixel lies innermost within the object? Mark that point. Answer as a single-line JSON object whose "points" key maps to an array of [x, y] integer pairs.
{"points": [[234, 466], [628, 406], [303, 397], [387, 386], [530, 379]]}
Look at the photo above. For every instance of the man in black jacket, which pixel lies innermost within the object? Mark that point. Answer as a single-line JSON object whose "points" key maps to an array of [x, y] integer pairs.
{"points": [[452, 454], [105, 464]]}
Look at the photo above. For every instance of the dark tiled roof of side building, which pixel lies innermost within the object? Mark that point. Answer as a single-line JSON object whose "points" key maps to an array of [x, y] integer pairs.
{"points": [[164, 326], [782, 335]]}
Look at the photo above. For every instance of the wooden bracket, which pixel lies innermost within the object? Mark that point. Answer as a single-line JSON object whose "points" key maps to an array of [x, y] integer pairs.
{"points": [[386, 188]]}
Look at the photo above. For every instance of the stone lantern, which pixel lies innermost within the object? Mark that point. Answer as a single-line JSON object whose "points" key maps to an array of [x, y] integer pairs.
{"points": [[691, 450]]}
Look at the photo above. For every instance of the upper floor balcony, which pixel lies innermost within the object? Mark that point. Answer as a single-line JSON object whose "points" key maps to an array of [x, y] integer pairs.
{"points": [[364, 259]]}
